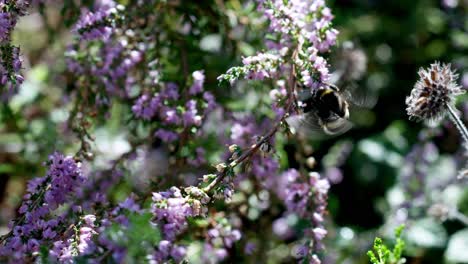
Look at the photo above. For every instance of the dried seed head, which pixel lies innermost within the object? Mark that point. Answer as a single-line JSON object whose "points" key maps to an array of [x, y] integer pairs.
{"points": [[432, 93]]}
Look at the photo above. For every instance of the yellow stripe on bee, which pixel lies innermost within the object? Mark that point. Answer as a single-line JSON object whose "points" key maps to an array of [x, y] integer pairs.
{"points": [[327, 91]]}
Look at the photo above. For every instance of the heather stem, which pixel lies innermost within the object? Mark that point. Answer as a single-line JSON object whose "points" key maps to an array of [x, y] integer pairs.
{"points": [[254, 148], [458, 123]]}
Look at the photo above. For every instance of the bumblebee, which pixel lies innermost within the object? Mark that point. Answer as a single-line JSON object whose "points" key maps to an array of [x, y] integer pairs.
{"points": [[326, 110]]}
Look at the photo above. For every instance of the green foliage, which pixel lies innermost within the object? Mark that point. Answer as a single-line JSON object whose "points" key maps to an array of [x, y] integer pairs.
{"points": [[381, 254], [139, 229]]}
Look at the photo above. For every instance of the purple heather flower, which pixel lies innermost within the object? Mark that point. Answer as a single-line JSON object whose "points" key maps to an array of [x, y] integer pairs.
{"points": [[5, 25], [170, 211], [308, 199], [95, 25], [63, 179], [218, 240], [49, 234], [170, 91], [170, 116], [63, 250], [297, 198], [166, 135], [65, 176], [210, 101], [198, 80], [191, 117], [146, 106], [10, 66], [9, 17], [130, 204], [167, 250], [113, 72], [250, 248]]}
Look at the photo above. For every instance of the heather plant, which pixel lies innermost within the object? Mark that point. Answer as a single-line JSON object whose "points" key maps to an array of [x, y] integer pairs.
{"points": [[177, 132]]}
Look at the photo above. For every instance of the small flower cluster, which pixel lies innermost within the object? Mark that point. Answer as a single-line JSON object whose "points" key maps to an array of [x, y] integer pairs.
{"points": [[304, 32], [164, 106], [10, 11], [167, 250], [258, 67], [100, 52], [10, 62], [36, 224], [308, 199], [111, 76], [310, 19], [219, 240], [80, 243], [112, 217], [171, 210], [312, 68], [10, 66], [309, 24], [99, 24]]}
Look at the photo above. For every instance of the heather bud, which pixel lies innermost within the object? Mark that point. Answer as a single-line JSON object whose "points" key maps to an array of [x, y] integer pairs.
{"points": [[221, 167]]}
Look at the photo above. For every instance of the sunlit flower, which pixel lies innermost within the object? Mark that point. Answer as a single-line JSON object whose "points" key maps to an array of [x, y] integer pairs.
{"points": [[433, 93]]}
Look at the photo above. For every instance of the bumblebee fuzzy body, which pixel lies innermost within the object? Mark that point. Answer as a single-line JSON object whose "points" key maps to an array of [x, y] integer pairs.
{"points": [[327, 109], [327, 103]]}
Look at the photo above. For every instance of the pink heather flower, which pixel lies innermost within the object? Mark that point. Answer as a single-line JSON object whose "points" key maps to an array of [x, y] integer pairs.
{"points": [[319, 233], [198, 80], [292, 18]]}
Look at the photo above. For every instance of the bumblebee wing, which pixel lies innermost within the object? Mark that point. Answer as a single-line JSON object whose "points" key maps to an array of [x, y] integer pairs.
{"points": [[337, 127], [358, 96], [306, 125], [309, 125]]}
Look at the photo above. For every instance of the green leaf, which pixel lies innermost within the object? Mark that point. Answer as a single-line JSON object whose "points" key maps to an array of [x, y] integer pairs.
{"points": [[141, 232]]}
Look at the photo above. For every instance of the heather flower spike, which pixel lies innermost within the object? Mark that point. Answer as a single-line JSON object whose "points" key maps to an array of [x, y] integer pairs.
{"points": [[433, 96]]}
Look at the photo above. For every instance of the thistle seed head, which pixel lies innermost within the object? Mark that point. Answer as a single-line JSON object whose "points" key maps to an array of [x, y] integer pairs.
{"points": [[432, 93]]}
